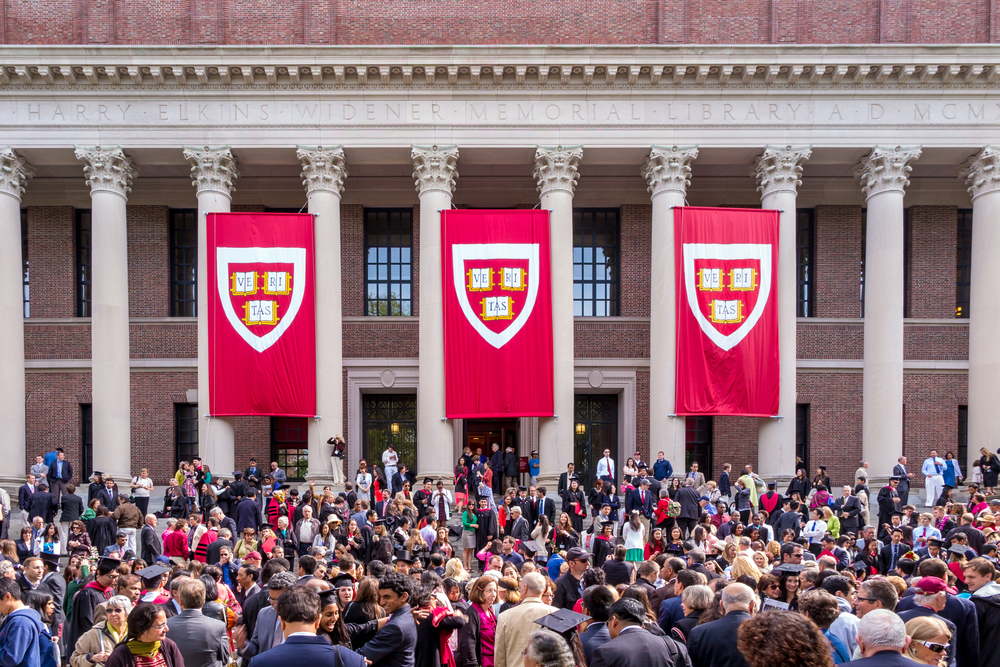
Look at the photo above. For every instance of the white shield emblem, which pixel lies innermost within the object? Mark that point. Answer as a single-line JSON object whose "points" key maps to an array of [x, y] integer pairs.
{"points": [[226, 257], [744, 287], [517, 301]]}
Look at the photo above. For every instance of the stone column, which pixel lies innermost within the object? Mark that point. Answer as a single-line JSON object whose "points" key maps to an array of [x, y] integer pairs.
{"points": [[883, 176], [983, 180], [668, 172], [323, 173], [435, 170], [109, 174], [777, 172], [213, 171], [14, 173], [556, 172]]}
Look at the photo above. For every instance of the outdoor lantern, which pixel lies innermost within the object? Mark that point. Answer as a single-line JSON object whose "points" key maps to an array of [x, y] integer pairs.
{"points": [[581, 428], [394, 427]]}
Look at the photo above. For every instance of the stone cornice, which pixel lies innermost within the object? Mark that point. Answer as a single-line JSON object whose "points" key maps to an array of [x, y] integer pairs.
{"points": [[771, 66], [323, 169], [886, 170], [556, 168], [669, 169], [780, 169], [212, 169], [982, 175], [435, 168], [107, 169], [14, 172]]}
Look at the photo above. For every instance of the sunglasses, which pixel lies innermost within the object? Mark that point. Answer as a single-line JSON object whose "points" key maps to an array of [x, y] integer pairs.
{"points": [[936, 648]]}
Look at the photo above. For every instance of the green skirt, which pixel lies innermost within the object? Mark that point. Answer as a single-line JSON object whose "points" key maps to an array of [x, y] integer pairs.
{"points": [[634, 555]]}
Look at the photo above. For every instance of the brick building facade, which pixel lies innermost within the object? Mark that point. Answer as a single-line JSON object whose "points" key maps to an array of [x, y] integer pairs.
{"points": [[379, 101]]}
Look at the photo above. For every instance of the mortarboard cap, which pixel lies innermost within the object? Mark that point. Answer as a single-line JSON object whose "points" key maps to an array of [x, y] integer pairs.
{"points": [[788, 568], [895, 477], [821, 467], [342, 579], [405, 556], [50, 559], [282, 487], [935, 541], [428, 480], [107, 564], [522, 488], [328, 597], [959, 549], [152, 572], [562, 621], [237, 474], [531, 546], [897, 513], [771, 485]]}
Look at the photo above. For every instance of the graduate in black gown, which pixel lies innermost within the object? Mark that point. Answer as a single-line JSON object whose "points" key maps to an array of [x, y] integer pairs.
{"points": [[87, 598], [487, 529], [575, 504]]}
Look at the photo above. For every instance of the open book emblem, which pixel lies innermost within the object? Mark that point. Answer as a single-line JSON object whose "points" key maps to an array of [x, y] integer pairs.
{"points": [[496, 285], [727, 287], [261, 290]]}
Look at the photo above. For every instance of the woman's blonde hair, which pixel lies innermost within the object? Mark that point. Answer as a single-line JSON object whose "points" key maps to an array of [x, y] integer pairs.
{"points": [[512, 596], [455, 570], [924, 628], [827, 513], [744, 565]]}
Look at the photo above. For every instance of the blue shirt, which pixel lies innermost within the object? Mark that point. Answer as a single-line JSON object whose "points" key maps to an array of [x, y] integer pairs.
{"points": [[533, 467]]}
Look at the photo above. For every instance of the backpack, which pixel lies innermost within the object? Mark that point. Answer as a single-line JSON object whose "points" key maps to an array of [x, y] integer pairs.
{"points": [[678, 652]]}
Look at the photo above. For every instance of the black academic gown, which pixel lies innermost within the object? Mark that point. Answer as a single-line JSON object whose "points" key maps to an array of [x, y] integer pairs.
{"points": [[82, 615], [487, 530], [886, 506]]}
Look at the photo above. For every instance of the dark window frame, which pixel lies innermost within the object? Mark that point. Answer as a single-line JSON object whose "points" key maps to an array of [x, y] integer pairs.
{"points": [[282, 431], [26, 292], [395, 224], [84, 260], [802, 436], [962, 446], [185, 432], [378, 413], [699, 449], [183, 258], [86, 440], [589, 224], [594, 412], [805, 251], [963, 262]]}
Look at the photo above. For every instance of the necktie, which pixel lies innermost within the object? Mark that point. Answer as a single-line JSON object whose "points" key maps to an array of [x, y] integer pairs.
{"points": [[894, 551]]}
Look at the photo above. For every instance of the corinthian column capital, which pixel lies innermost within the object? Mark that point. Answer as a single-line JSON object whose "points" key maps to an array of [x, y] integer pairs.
{"points": [[212, 169], [323, 169], [556, 168], [669, 169], [780, 169], [435, 168], [14, 172], [886, 170], [982, 175], [107, 169]]}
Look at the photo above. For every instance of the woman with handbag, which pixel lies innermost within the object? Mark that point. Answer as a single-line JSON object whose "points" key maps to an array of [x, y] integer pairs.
{"points": [[576, 503]]}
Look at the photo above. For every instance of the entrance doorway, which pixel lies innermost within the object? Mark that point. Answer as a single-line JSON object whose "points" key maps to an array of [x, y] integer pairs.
{"points": [[482, 433], [595, 429]]}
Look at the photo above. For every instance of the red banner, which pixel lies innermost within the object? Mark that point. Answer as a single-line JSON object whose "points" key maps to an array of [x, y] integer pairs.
{"points": [[497, 314], [261, 314], [726, 262]]}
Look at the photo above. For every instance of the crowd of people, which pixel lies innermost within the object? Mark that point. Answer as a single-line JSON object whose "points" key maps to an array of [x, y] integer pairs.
{"points": [[660, 570]]}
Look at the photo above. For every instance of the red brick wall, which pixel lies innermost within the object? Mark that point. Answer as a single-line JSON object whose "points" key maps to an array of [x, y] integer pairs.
{"points": [[56, 341], [930, 408], [253, 438], [643, 442], [837, 272], [52, 253], [382, 338], [152, 420], [931, 280], [734, 440], [352, 258], [597, 337], [830, 341], [634, 281], [52, 410], [943, 343], [493, 22], [148, 261], [834, 422], [163, 341]]}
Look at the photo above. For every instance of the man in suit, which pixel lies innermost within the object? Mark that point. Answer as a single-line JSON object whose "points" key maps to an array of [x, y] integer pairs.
{"points": [[848, 508], [565, 478], [687, 497], [150, 545], [519, 530], [697, 477], [253, 474], [248, 513], [43, 504], [714, 643], [517, 623], [899, 470], [640, 499], [267, 626], [545, 506], [24, 493], [202, 640], [881, 640], [298, 612], [393, 644], [398, 479], [632, 645], [892, 552], [109, 495], [790, 518], [596, 603], [59, 475]]}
